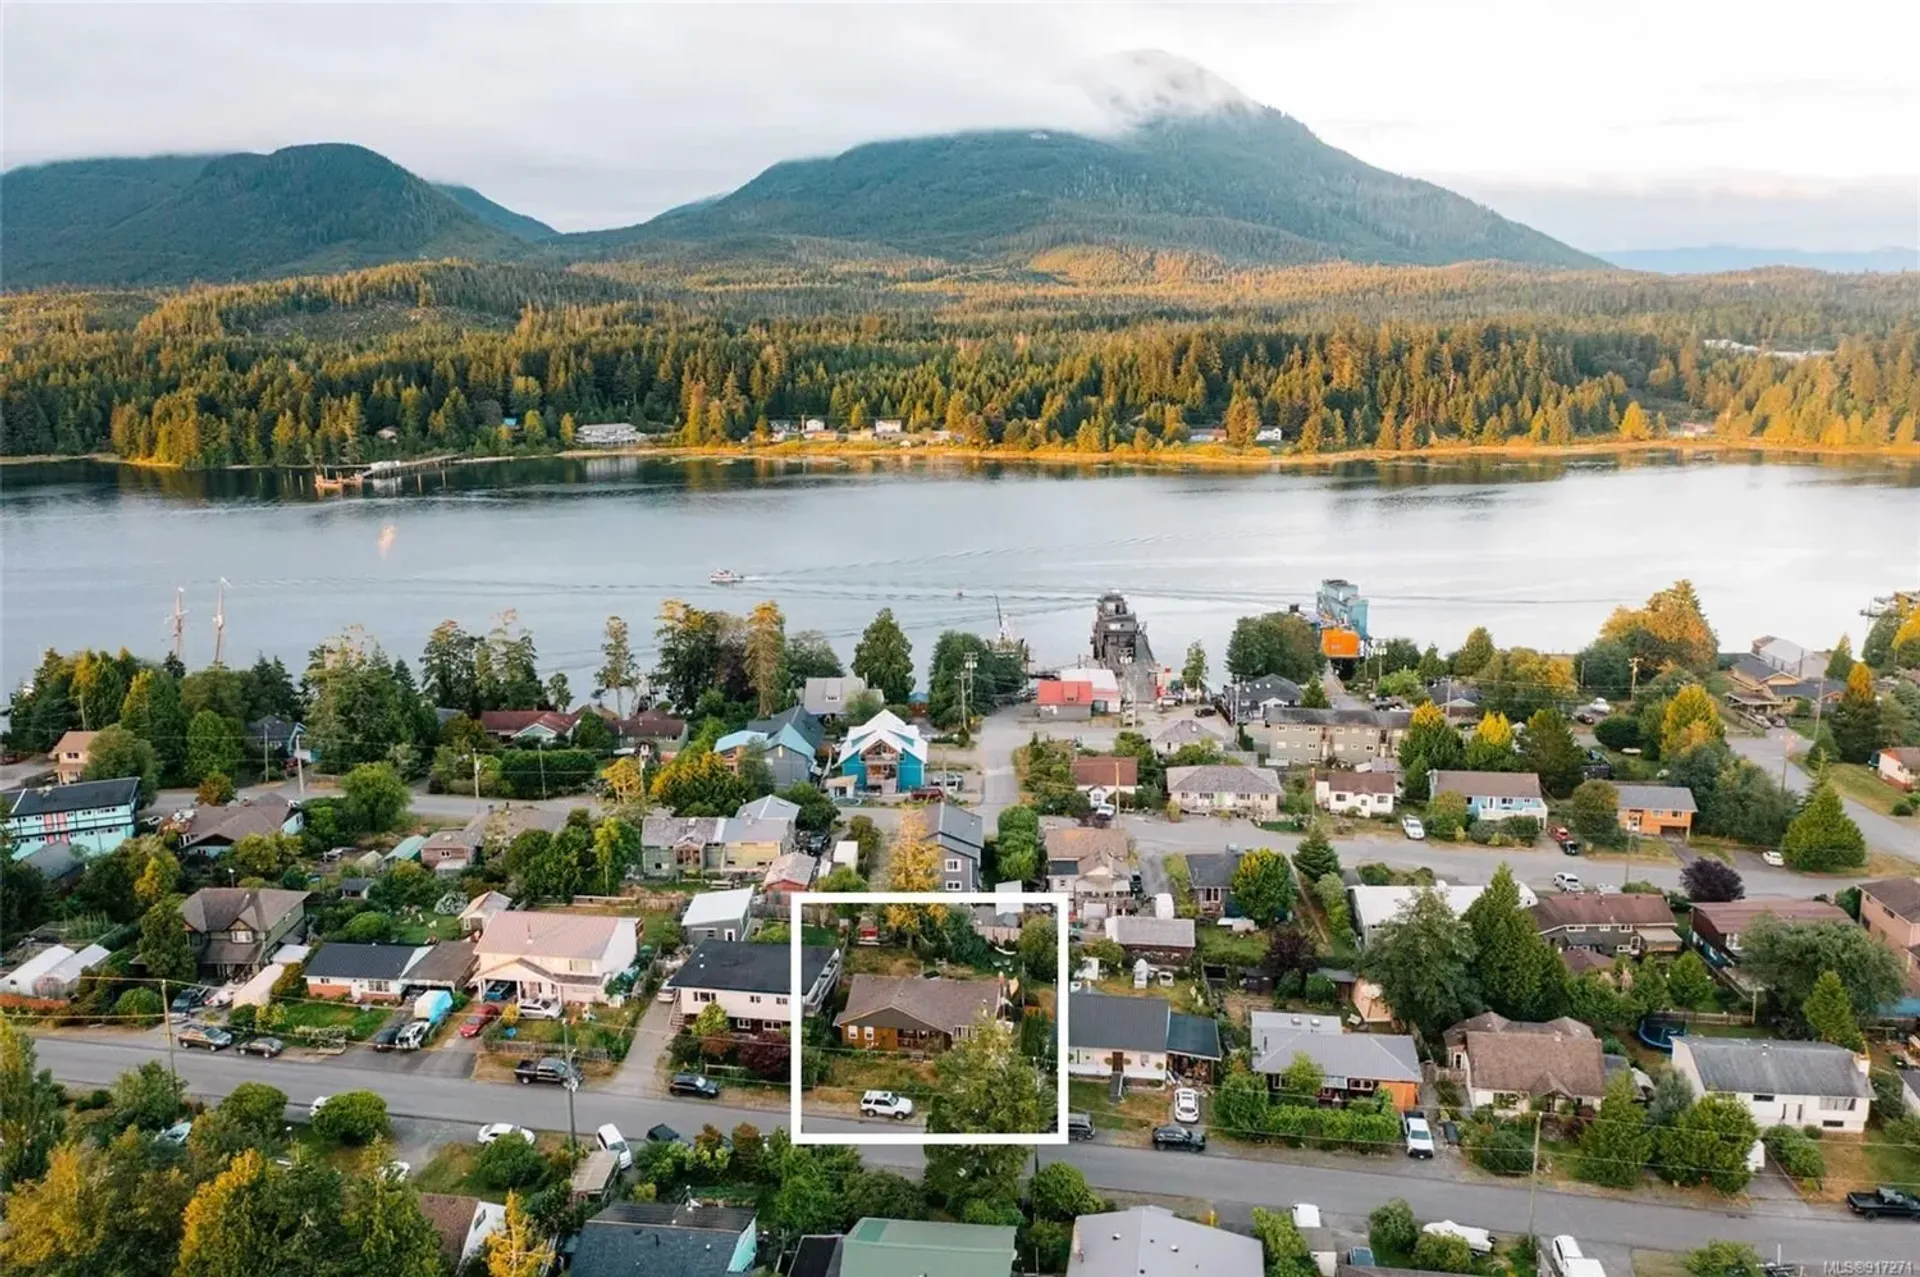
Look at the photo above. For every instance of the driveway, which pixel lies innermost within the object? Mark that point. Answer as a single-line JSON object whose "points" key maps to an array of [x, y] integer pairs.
{"points": [[638, 1073]]}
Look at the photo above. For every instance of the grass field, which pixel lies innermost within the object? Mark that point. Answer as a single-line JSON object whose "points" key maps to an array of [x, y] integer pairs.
{"points": [[1866, 788], [1244, 949], [429, 927], [359, 1022]]}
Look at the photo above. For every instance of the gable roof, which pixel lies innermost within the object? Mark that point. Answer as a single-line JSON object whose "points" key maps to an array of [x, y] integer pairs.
{"points": [[660, 1239], [1222, 778], [785, 736], [1277, 1036], [1185, 731], [1107, 770], [791, 867], [75, 742], [1367, 782], [1655, 798], [1764, 1066], [1554, 1057], [957, 829], [511, 722], [339, 961], [1211, 869], [805, 724], [708, 908], [1618, 909], [271, 731], [1730, 917], [771, 807], [830, 695], [654, 724], [1902, 895], [514, 933], [212, 909], [947, 1005], [55, 861], [1150, 933], [1082, 843], [1151, 1241], [448, 962], [1382, 719], [230, 823], [1487, 784], [926, 1248], [886, 728], [1054, 691], [85, 795], [740, 966], [671, 831], [452, 1217], [1105, 1022]]}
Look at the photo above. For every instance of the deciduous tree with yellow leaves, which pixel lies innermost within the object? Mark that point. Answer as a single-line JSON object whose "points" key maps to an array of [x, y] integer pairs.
{"points": [[913, 865], [1691, 719], [1670, 630]]}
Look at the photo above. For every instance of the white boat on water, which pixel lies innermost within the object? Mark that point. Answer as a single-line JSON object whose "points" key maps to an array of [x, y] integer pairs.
{"points": [[726, 576]]}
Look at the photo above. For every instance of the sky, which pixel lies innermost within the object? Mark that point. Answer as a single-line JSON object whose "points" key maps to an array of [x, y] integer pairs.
{"points": [[1611, 124]]}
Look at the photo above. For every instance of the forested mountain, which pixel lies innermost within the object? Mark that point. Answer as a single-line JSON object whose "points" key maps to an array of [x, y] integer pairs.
{"points": [[1725, 257], [497, 216], [174, 219]]}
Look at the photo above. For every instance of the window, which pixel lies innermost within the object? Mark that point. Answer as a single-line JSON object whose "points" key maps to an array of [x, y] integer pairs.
{"points": [[1837, 1103], [953, 866], [581, 964], [1763, 1099], [951, 886], [702, 995], [868, 1031], [241, 935], [780, 1001], [753, 997]]}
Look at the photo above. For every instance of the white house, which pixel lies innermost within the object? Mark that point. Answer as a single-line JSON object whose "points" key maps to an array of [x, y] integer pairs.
{"points": [[1790, 1083], [554, 955], [1143, 1039], [718, 915], [1493, 795], [1225, 788], [1373, 907], [752, 983], [1368, 793]]}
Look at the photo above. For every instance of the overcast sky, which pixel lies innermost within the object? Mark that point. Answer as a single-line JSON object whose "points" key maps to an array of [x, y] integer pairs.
{"points": [[1610, 124]]}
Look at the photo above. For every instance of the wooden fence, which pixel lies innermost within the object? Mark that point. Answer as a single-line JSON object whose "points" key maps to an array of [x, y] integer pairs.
{"points": [[637, 900]]}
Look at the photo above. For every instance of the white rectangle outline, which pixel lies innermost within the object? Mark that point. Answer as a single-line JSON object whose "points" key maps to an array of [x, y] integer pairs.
{"points": [[797, 999]]}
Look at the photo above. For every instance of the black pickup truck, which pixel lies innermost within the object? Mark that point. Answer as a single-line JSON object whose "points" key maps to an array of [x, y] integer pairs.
{"points": [[1884, 1203], [552, 1070]]}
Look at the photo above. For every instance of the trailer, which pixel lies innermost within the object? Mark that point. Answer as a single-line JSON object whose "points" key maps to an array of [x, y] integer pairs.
{"points": [[432, 1006]]}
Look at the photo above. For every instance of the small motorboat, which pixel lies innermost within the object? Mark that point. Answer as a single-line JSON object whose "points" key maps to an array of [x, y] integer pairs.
{"points": [[726, 576]]}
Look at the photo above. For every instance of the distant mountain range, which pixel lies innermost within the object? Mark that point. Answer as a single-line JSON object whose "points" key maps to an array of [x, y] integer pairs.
{"points": [[1714, 258]]}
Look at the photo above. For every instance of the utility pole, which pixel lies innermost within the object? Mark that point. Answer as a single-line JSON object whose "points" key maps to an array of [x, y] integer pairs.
{"points": [[1633, 682], [573, 1078], [166, 1018], [219, 619], [179, 622], [966, 691]]}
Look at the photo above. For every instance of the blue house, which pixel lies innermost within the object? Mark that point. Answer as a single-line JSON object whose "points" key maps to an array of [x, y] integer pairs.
{"points": [[787, 754], [1493, 795], [93, 816], [883, 755]]}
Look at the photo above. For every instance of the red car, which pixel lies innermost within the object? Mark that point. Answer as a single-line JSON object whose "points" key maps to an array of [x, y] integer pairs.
{"points": [[474, 1025]]}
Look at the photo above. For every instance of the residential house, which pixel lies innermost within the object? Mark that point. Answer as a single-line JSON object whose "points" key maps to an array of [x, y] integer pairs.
{"points": [[1151, 1241], [829, 697], [673, 845], [1250, 699], [758, 834], [1517, 1066], [463, 1223], [1089, 865], [1353, 1066], [1168, 939], [787, 754], [1717, 926], [52, 973], [1759, 685], [57, 863], [606, 434], [908, 1013], [481, 910], [1622, 922], [1292, 737], [1374, 907], [1493, 795], [1657, 810], [786, 877], [1781, 1083], [446, 965], [1459, 702], [448, 851], [654, 734], [1105, 777], [1899, 767], [1140, 1039], [883, 755], [273, 740], [554, 955], [718, 915], [926, 1248], [407, 848], [752, 983], [1225, 788], [1182, 732], [1055, 698], [234, 928], [999, 924], [211, 831], [1369, 793], [1890, 911], [69, 756], [888, 427], [528, 728], [961, 837], [667, 1239], [805, 724], [360, 972], [1789, 657], [1210, 874], [94, 816]]}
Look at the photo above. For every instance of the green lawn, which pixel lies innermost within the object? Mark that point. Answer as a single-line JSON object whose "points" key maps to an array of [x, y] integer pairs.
{"points": [[1864, 786], [654, 924], [359, 1022], [1217, 944], [431, 926]]}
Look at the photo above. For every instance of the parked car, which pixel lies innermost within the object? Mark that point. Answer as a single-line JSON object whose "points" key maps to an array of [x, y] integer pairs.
{"points": [[609, 1138], [176, 1134], [664, 1134], [1419, 1136], [693, 1084], [1412, 828], [1186, 1105], [187, 999], [499, 1130], [886, 1104], [476, 1024], [1183, 1137], [413, 1035], [1884, 1203], [266, 1048], [1567, 882], [397, 1169], [1773, 858], [1563, 839], [1079, 1126], [205, 1036], [552, 1070], [386, 1038], [540, 1009], [319, 1102]]}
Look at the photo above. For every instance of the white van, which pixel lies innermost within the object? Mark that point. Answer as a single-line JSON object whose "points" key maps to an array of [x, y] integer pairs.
{"points": [[616, 1143]]}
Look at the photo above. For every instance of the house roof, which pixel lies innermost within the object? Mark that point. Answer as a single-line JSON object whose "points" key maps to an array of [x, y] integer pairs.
{"points": [[736, 830], [1222, 778], [740, 966], [1907, 756], [1277, 1036], [530, 934], [1054, 691], [1557, 1057], [709, 908], [212, 909], [230, 823], [948, 1005], [1902, 895], [652, 725], [1151, 1241], [451, 1217], [1487, 784], [958, 829], [511, 722], [1655, 798], [449, 962], [830, 695], [73, 743], [803, 721], [885, 727], [486, 904], [1579, 961], [1373, 906], [1619, 909], [1764, 1066], [1369, 782], [771, 807], [671, 831], [1197, 1036], [85, 795], [1185, 731], [1081, 843], [338, 961], [926, 1248], [1211, 869], [271, 731], [660, 1239], [1383, 719], [795, 867], [816, 1256], [55, 861], [1730, 917], [1104, 1022], [785, 736], [1150, 933], [509, 822], [1106, 770]]}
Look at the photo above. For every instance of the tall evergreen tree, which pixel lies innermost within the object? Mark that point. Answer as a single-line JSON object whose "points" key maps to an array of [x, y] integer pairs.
{"points": [[1856, 719], [884, 658], [1823, 838]]}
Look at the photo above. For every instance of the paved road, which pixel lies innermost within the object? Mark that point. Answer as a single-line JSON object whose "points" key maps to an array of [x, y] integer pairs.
{"points": [[1883, 833], [1805, 1235]]}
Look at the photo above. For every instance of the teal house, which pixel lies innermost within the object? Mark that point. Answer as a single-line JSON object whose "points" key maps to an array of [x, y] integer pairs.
{"points": [[93, 816], [883, 756]]}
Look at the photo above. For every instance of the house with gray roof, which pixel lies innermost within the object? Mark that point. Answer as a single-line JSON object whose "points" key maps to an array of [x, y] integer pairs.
{"points": [[667, 1239], [1353, 1066], [961, 837], [1210, 874], [1295, 737], [1657, 810], [1151, 1241], [1790, 1083], [1228, 789], [1493, 795], [1168, 939], [1142, 1039]]}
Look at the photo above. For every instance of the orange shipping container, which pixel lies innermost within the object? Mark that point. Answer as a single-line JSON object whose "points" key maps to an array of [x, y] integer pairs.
{"points": [[1339, 644]]}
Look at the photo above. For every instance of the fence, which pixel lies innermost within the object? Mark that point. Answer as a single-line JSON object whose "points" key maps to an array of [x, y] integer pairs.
{"points": [[514, 1049], [637, 900]]}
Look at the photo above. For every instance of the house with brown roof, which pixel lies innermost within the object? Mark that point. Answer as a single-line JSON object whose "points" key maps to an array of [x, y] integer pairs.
{"points": [[1717, 925], [1227, 788], [463, 1223], [904, 1013], [1108, 773], [234, 928], [1890, 911], [1090, 865], [533, 728], [1368, 793], [1620, 922], [790, 873], [654, 734], [1515, 1066], [70, 756], [210, 831], [554, 955], [1167, 939], [1898, 767]]}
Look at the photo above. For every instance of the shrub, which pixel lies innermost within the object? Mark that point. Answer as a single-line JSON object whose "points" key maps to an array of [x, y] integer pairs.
{"points": [[241, 1018], [1617, 731], [354, 1117], [292, 982], [141, 1006], [1482, 831], [508, 1162], [1906, 807], [1794, 1152], [371, 927], [1321, 990], [1392, 1230], [1505, 1151], [1524, 830], [1375, 874], [1442, 1253], [1725, 1259]]}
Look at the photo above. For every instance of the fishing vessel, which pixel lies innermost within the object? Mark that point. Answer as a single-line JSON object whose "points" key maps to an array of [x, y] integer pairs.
{"points": [[726, 576]]}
